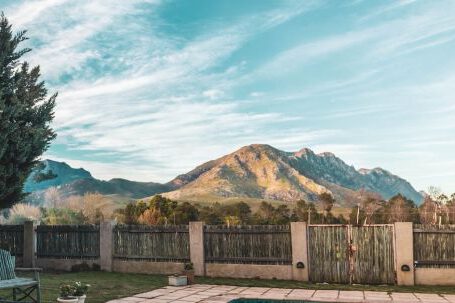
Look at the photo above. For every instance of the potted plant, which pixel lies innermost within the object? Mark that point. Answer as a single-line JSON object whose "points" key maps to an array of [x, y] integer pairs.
{"points": [[67, 294], [188, 271], [80, 291]]}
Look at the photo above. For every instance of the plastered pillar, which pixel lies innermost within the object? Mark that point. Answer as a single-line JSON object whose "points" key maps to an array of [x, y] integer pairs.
{"points": [[196, 230], [299, 251], [106, 245], [404, 253], [29, 257]]}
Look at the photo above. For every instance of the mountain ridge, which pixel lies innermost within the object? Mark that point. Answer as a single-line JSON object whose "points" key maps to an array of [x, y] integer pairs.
{"points": [[257, 171], [266, 172]]}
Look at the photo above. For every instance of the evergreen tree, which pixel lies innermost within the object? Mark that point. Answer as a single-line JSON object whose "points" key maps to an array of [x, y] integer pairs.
{"points": [[25, 114]]}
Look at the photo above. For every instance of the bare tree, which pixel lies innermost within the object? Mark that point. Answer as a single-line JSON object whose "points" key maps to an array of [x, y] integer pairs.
{"points": [[428, 211], [52, 198]]}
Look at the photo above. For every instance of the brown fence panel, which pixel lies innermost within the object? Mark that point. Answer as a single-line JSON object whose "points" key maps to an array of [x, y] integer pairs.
{"points": [[152, 243], [434, 246], [68, 241], [374, 258], [12, 239], [254, 244], [328, 257]]}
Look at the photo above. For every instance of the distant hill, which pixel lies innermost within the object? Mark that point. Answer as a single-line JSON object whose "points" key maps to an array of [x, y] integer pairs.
{"points": [[253, 172], [65, 174], [71, 181]]}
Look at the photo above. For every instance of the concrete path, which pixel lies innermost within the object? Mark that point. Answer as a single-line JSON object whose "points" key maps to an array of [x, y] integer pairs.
{"points": [[223, 294]]}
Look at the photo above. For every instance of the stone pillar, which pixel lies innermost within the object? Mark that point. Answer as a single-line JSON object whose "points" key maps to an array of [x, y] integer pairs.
{"points": [[106, 245], [404, 253], [29, 257], [299, 251], [196, 230]]}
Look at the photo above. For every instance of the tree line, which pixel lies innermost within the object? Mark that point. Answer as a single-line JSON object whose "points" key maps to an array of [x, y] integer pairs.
{"points": [[436, 209]]}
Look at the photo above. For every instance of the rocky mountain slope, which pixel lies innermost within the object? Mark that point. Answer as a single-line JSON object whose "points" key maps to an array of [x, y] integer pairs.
{"points": [[254, 171], [264, 172]]}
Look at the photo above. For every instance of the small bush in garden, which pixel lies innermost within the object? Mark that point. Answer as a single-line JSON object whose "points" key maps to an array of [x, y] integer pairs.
{"points": [[80, 288], [67, 291]]}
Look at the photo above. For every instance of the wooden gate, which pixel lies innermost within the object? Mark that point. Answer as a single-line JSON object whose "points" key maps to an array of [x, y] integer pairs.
{"points": [[347, 254], [374, 258]]}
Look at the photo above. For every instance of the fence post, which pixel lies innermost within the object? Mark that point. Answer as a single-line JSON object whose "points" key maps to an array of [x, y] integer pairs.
{"points": [[299, 251], [29, 244], [106, 245], [196, 230], [404, 253]]}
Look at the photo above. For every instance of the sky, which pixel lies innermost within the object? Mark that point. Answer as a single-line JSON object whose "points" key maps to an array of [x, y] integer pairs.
{"points": [[149, 89]]}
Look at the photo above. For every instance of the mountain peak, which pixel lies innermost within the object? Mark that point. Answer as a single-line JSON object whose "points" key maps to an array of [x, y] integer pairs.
{"points": [[257, 171], [304, 151], [257, 147], [263, 172]]}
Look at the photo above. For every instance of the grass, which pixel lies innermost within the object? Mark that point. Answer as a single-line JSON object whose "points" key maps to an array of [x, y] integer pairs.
{"points": [[107, 286]]}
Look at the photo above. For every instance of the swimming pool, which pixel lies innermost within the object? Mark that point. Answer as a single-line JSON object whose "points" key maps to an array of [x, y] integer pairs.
{"points": [[269, 301]]}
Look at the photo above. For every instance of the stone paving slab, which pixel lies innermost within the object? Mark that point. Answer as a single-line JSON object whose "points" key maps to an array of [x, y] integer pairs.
{"points": [[199, 293]]}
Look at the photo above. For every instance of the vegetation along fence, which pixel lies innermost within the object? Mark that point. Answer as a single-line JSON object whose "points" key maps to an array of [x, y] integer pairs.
{"points": [[152, 243], [434, 246], [349, 254], [262, 244], [12, 239], [68, 241]]}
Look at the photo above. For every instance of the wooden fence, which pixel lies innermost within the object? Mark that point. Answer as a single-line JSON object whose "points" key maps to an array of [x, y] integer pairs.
{"points": [[327, 248], [374, 261], [434, 246], [152, 243], [260, 244], [68, 241], [12, 239], [350, 254]]}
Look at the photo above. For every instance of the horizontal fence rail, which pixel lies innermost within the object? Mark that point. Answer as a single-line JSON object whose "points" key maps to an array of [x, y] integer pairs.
{"points": [[248, 244], [434, 246], [12, 239], [152, 243], [68, 241]]}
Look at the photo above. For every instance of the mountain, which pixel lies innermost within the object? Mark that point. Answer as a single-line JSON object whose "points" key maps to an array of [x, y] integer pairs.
{"points": [[64, 174], [71, 181], [252, 172], [264, 172]]}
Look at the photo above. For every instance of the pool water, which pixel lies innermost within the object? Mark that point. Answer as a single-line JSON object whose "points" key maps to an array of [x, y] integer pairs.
{"points": [[269, 301]]}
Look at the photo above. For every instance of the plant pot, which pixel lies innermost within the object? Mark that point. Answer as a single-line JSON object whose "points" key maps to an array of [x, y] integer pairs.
{"points": [[68, 300], [81, 299], [178, 280], [189, 275]]}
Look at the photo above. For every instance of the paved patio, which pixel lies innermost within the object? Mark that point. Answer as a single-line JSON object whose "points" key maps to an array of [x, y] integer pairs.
{"points": [[222, 294]]}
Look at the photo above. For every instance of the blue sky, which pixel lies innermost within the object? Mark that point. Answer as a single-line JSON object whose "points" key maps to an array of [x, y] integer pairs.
{"points": [[149, 89]]}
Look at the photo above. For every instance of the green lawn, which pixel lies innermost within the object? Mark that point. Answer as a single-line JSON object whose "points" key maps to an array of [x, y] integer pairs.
{"points": [[108, 286], [105, 286]]}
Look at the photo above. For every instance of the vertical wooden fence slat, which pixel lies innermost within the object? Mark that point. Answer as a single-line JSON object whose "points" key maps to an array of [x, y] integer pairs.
{"points": [[434, 246], [151, 243], [374, 258], [253, 244], [12, 239], [68, 241], [327, 248]]}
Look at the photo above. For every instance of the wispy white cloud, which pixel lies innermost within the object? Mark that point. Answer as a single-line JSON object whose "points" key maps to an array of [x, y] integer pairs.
{"points": [[169, 101], [159, 100], [24, 13]]}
